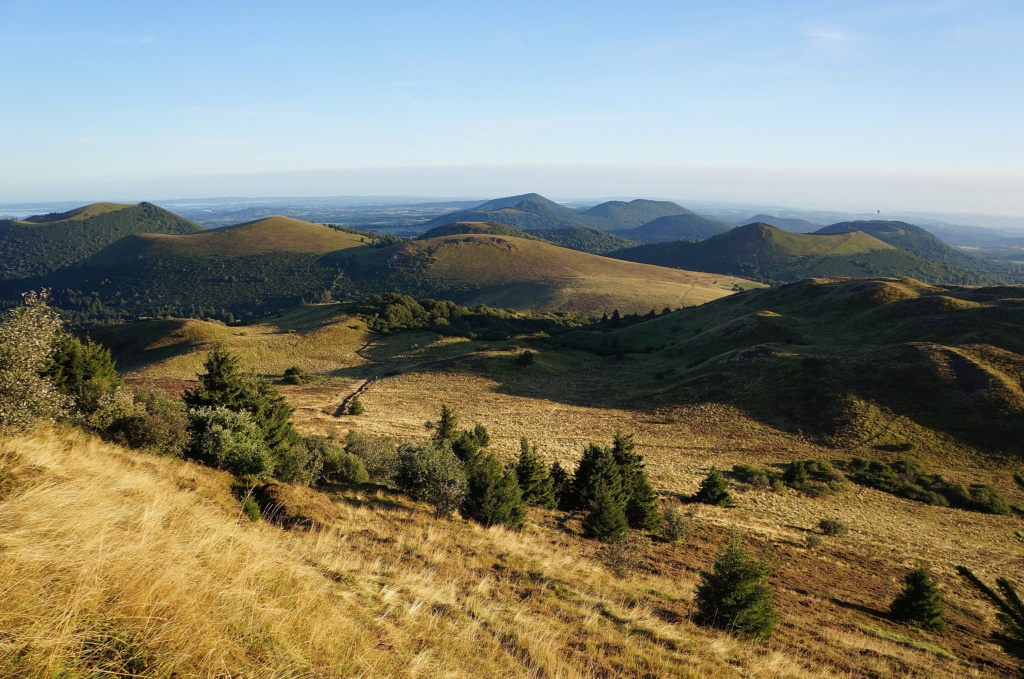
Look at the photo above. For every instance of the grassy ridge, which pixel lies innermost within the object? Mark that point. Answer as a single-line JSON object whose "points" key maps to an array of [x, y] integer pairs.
{"points": [[849, 359], [40, 245], [765, 253]]}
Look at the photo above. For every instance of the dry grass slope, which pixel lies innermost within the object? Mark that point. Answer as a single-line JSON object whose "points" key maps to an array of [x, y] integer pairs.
{"points": [[119, 563]]}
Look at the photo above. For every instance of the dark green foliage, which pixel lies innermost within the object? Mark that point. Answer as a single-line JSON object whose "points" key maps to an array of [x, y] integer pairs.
{"points": [[295, 375], [43, 244], [758, 477], [920, 603], [355, 406], [229, 440], [908, 479], [641, 502], [597, 468], [224, 385], [493, 495], [394, 312], [156, 423], [250, 508], [469, 442], [813, 477], [448, 425], [341, 466], [585, 239], [83, 371], [642, 509], [1009, 613], [378, 454], [605, 519], [833, 527], [433, 474], [714, 490], [561, 485], [306, 463], [764, 253], [534, 479], [735, 596], [675, 526]]}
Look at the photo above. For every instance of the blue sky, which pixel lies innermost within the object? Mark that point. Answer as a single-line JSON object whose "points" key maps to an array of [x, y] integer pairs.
{"points": [[175, 99]]}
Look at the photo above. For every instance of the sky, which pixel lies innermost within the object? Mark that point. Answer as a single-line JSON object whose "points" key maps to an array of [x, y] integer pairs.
{"points": [[897, 105]]}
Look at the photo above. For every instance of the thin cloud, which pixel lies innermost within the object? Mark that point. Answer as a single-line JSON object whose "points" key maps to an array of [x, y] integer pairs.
{"points": [[833, 42]]}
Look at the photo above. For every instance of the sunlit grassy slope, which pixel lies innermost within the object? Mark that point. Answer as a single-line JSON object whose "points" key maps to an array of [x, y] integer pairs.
{"points": [[264, 236], [766, 253], [516, 273], [119, 563]]}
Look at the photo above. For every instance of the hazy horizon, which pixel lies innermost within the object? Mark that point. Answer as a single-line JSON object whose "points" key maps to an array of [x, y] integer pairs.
{"points": [[873, 105]]}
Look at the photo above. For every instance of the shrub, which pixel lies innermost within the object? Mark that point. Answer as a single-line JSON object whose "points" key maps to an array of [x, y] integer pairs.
{"points": [[355, 406], [223, 385], [250, 508], [433, 474], [344, 467], [229, 440], [83, 371], [149, 420], [493, 495], [378, 454], [534, 479], [305, 465], [28, 335], [735, 595], [920, 603], [295, 375], [833, 527], [714, 490], [605, 520], [675, 527], [814, 541]]}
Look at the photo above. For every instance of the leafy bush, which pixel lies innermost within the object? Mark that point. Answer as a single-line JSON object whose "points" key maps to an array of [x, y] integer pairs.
{"points": [[525, 359], [833, 527], [433, 474], [250, 508], [143, 419], [295, 375], [908, 479], [229, 440], [28, 335], [735, 596], [813, 542], [344, 467], [355, 406], [378, 454], [675, 527], [815, 478]]}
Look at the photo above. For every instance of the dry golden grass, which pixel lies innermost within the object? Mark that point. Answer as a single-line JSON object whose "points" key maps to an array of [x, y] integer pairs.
{"points": [[449, 598]]}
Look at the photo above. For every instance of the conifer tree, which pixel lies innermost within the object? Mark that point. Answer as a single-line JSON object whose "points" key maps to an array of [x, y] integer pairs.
{"points": [[492, 493], [735, 595], [714, 490], [1010, 613], [224, 385], [642, 509], [596, 467], [920, 603], [448, 425], [561, 485], [534, 479], [83, 371], [640, 499], [605, 520]]}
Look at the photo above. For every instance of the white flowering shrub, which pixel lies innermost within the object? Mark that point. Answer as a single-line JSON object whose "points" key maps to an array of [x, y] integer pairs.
{"points": [[28, 336]]}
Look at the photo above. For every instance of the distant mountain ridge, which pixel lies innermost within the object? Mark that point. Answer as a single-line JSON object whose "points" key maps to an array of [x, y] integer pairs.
{"points": [[768, 254], [786, 223], [39, 245], [685, 226]]}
